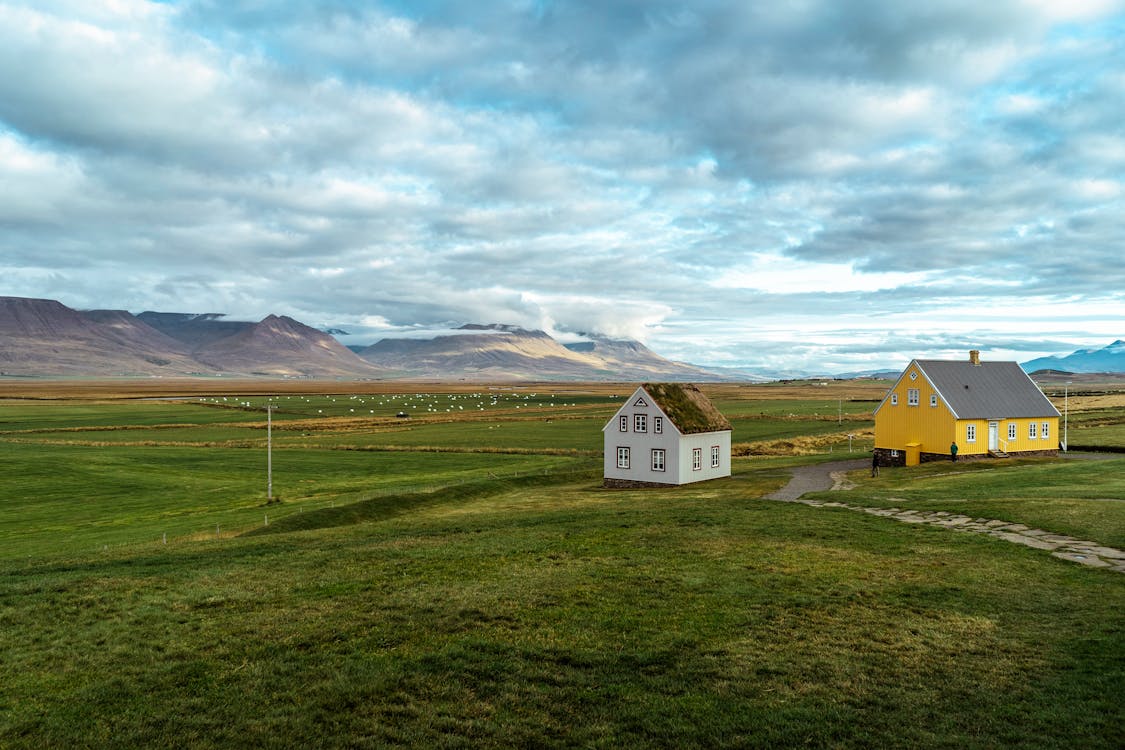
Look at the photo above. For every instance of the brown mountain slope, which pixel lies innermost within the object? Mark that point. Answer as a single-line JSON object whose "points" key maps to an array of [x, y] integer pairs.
{"points": [[194, 330], [279, 345], [497, 352], [45, 337], [137, 336]]}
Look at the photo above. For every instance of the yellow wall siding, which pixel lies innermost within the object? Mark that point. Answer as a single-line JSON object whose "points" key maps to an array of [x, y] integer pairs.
{"points": [[1022, 441], [899, 424], [977, 446]]}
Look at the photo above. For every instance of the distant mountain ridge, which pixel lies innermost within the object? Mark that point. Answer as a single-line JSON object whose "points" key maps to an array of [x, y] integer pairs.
{"points": [[507, 352], [1107, 359], [41, 337]]}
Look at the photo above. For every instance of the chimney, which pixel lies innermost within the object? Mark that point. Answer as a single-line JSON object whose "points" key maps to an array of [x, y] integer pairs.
{"points": [[974, 356]]}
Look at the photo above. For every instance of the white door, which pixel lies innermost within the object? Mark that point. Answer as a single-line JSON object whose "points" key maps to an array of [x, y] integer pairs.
{"points": [[993, 436]]}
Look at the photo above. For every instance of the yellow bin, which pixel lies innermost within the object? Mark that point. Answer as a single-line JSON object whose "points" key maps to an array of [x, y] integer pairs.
{"points": [[913, 454]]}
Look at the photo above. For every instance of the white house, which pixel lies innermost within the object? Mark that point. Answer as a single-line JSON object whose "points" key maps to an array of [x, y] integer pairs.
{"points": [[666, 434]]}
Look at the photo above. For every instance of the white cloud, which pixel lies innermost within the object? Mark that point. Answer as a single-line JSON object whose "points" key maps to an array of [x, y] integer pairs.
{"points": [[698, 178]]}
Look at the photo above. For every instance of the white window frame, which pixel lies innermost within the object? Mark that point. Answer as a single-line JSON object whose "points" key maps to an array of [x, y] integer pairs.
{"points": [[894, 399], [970, 433], [622, 457], [696, 459], [1032, 431], [623, 423], [1045, 431], [658, 425], [658, 459], [1013, 430], [912, 397], [640, 423], [894, 453], [933, 399], [716, 454]]}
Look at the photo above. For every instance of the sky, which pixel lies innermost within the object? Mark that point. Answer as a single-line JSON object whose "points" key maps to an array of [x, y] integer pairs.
{"points": [[792, 185]]}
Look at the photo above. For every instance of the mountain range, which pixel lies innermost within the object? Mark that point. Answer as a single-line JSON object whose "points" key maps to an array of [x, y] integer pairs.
{"points": [[40, 337], [1107, 359], [46, 338], [503, 352]]}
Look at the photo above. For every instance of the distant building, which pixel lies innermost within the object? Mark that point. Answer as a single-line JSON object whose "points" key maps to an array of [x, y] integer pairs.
{"points": [[988, 409], [666, 434]]}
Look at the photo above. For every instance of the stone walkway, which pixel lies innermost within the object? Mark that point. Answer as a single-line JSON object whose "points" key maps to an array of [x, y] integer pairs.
{"points": [[833, 476]]}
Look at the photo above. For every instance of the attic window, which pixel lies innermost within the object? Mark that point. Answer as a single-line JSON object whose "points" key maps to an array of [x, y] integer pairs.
{"points": [[894, 399], [658, 425], [933, 399], [640, 402], [913, 375]]}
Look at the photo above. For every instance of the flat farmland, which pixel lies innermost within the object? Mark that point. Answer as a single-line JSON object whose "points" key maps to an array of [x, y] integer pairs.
{"points": [[460, 579]]}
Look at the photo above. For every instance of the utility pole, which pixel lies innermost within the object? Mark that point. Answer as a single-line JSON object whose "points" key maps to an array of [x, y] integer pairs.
{"points": [[1066, 416], [269, 451]]}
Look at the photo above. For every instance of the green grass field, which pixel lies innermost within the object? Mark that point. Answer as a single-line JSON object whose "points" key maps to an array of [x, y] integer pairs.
{"points": [[464, 596]]}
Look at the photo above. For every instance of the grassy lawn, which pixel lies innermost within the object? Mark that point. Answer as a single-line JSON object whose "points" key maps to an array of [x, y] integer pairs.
{"points": [[568, 615], [460, 597], [1085, 499], [64, 498]]}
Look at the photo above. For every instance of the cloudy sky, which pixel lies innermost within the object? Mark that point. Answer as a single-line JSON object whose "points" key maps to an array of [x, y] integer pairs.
{"points": [[803, 184]]}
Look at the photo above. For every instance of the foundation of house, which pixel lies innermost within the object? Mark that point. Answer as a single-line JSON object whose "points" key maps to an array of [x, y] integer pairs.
{"points": [[632, 484]]}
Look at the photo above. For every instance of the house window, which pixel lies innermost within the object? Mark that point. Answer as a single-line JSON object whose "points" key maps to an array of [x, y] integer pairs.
{"points": [[658, 459], [970, 433], [640, 423], [623, 423], [913, 375], [1031, 430], [894, 453], [714, 456], [1045, 433], [696, 459], [1011, 430], [623, 458], [658, 425], [933, 399], [894, 399], [911, 396]]}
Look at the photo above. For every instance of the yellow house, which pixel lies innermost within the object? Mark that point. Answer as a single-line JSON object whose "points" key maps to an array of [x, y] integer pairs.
{"points": [[983, 408]]}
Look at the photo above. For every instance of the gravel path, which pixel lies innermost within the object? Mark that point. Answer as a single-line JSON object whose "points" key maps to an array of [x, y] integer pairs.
{"points": [[815, 478], [833, 476]]}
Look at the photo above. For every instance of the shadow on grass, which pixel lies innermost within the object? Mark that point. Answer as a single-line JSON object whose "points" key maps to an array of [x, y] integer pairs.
{"points": [[389, 506]]}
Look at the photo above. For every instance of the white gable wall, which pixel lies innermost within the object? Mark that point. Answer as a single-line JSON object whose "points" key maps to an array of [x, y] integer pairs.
{"points": [[676, 446]]}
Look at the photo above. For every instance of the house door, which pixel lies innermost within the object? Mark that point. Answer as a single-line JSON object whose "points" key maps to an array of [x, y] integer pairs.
{"points": [[994, 436]]}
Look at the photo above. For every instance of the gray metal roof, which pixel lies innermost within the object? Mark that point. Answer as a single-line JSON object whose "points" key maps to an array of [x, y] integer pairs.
{"points": [[990, 390]]}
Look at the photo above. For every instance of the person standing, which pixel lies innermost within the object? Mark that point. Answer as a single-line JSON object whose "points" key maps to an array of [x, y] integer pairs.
{"points": [[874, 464], [953, 451]]}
